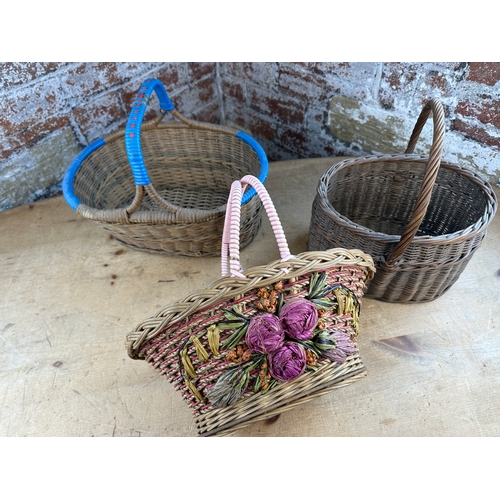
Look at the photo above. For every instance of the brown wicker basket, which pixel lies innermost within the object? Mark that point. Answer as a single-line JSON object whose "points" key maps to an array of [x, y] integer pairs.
{"points": [[163, 187], [420, 219], [259, 342]]}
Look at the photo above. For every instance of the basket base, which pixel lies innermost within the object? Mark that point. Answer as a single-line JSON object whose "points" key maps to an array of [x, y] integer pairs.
{"points": [[415, 285], [189, 240], [284, 397]]}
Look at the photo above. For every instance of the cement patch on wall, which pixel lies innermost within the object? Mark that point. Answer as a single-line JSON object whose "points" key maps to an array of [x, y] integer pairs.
{"points": [[378, 131], [38, 171]]}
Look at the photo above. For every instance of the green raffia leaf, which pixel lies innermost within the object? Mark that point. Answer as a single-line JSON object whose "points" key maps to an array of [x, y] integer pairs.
{"points": [[237, 335], [272, 383], [323, 303], [242, 382], [316, 285], [230, 325], [234, 314], [310, 345], [194, 391], [281, 301], [312, 283], [258, 383]]}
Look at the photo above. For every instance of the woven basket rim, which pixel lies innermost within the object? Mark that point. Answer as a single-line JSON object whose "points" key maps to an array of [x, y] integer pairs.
{"points": [[258, 276], [465, 233], [110, 215]]}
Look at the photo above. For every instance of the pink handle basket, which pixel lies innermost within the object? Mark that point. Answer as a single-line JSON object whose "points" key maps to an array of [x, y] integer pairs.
{"points": [[231, 233]]}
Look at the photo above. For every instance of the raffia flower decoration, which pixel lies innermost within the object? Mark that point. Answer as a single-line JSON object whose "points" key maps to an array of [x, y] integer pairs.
{"points": [[288, 362], [299, 318], [339, 346], [264, 333]]}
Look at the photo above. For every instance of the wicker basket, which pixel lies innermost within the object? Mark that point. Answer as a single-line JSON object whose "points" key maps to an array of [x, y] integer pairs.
{"points": [[419, 218], [164, 187], [231, 349]]}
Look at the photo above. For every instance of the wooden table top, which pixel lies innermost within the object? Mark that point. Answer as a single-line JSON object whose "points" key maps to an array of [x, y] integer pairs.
{"points": [[71, 294]]}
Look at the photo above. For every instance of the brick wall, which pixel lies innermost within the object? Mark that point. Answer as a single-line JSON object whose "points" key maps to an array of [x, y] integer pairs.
{"points": [[52, 110], [295, 110], [323, 109]]}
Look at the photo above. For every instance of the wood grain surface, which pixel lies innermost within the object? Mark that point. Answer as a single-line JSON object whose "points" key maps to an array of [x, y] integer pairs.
{"points": [[70, 294]]}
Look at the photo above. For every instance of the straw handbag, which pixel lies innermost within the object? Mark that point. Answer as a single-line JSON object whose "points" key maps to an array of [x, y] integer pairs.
{"points": [[420, 219], [163, 187], [256, 343]]}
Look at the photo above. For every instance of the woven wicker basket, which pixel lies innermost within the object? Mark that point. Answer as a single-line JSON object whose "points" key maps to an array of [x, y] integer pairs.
{"points": [[164, 187], [419, 218], [212, 348]]}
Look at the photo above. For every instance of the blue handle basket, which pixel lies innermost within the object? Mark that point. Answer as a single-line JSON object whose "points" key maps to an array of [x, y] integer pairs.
{"points": [[165, 173]]}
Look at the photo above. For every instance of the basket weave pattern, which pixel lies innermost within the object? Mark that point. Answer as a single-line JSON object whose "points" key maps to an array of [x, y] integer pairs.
{"points": [[158, 340], [188, 166], [420, 219], [197, 341]]}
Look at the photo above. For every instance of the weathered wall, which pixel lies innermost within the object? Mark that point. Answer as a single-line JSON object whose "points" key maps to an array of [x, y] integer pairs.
{"points": [[295, 110], [52, 110], [320, 109]]}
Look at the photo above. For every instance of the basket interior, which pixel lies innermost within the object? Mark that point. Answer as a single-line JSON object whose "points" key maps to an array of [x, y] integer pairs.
{"points": [[190, 168], [381, 196]]}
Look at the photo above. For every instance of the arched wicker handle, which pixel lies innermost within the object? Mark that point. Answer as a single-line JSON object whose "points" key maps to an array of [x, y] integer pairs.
{"points": [[231, 233], [136, 159], [430, 174], [133, 128], [133, 141]]}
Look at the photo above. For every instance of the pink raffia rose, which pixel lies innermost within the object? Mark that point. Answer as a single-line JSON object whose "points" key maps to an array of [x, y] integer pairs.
{"points": [[299, 318], [343, 346], [264, 334], [288, 362]]}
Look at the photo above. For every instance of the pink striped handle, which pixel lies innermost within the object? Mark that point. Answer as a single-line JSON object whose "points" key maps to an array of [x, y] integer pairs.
{"points": [[231, 234]]}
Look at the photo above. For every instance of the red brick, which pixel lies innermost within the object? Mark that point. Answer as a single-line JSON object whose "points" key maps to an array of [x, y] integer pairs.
{"points": [[208, 114], [477, 133], [198, 70], [236, 112], [483, 111], [261, 125], [173, 76], [276, 152], [258, 72], [190, 99], [332, 67], [286, 109], [436, 80], [31, 135], [31, 104], [84, 80], [87, 79], [94, 117], [240, 122], [292, 139], [484, 72], [16, 73], [233, 89], [395, 77], [306, 86], [307, 65]]}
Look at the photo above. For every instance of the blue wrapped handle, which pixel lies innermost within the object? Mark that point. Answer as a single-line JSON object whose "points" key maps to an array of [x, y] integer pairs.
{"points": [[133, 128], [133, 144], [69, 177]]}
